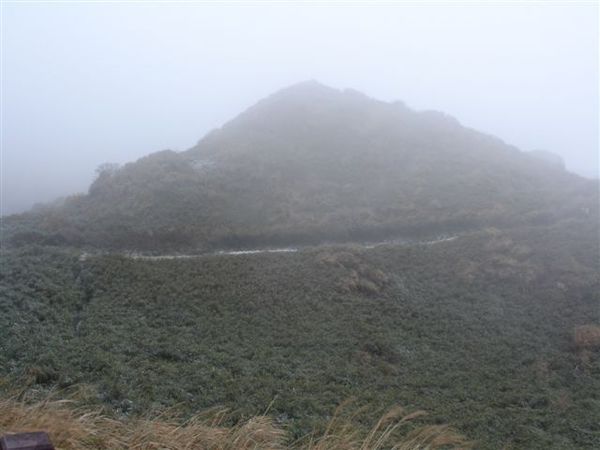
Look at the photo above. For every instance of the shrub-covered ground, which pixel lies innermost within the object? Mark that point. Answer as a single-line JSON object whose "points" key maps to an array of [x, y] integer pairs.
{"points": [[478, 331]]}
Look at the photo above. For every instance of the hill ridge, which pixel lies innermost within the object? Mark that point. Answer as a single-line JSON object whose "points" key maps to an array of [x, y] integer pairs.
{"points": [[312, 162]]}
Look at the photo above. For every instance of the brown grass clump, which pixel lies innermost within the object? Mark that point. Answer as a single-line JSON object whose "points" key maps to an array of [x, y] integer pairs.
{"points": [[390, 432], [587, 337], [73, 428], [358, 275]]}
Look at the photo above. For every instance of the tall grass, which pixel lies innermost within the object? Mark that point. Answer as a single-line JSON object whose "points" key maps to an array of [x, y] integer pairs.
{"points": [[391, 431], [71, 427]]}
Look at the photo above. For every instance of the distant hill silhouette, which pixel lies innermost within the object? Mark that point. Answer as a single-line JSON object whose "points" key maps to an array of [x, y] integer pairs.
{"points": [[310, 163]]}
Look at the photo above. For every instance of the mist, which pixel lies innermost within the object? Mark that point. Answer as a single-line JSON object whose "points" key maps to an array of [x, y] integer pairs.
{"points": [[84, 84]]}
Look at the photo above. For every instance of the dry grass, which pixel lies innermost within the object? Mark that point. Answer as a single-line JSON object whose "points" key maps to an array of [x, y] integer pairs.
{"points": [[587, 337], [71, 428], [390, 432], [359, 276]]}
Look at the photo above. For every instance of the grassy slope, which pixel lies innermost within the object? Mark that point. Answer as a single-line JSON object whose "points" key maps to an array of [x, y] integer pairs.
{"points": [[476, 331]]}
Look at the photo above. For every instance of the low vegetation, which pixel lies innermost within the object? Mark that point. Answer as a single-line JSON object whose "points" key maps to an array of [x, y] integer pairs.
{"points": [[478, 331], [495, 332]]}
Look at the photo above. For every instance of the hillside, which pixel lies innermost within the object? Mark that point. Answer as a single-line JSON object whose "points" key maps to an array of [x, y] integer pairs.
{"points": [[433, 267], [478, 331], [312, 163]]}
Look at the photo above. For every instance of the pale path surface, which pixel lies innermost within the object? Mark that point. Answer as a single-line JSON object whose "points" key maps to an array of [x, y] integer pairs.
{"points": [[365, 245]]}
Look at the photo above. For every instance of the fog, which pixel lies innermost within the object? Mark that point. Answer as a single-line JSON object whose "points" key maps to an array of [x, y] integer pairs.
{"points": [[88, 83]]}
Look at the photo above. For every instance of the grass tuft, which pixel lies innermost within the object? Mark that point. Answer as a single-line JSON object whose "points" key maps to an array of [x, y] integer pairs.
{"points": [[71, 428], [587, 337]]}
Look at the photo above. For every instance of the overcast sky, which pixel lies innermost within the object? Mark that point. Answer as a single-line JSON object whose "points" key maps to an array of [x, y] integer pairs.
{"points": [[89, 83]]}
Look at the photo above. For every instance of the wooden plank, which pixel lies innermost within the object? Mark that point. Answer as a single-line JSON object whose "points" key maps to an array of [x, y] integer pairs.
{"points": [[26, 441]]}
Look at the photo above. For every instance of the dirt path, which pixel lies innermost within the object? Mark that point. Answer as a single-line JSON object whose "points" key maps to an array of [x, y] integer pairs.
{"points": [[365, 245]]}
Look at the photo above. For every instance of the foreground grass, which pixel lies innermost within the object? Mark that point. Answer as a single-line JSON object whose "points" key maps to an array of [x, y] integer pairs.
{"points": [[73, 428]]}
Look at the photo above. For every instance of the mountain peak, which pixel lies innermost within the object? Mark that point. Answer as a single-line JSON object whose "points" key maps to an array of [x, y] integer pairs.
{"points": [[313, 162], [305, 90], [306, 86]]}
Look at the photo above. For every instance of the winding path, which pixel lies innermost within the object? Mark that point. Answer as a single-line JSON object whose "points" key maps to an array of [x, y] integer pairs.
{"points": [[365, 245]]}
